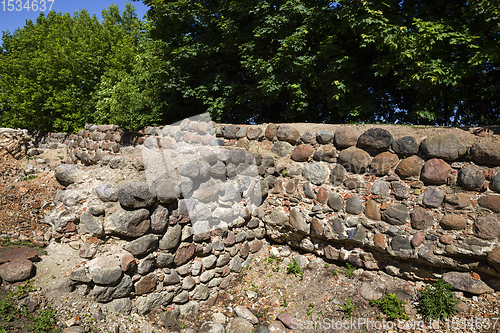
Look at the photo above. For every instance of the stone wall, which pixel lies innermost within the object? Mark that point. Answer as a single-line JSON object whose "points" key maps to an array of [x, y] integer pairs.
{"points": [[194, 201]]}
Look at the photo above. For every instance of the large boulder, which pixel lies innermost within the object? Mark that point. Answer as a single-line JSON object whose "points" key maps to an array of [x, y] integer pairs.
{"points": [[487, 227], [355, 160], [397, 214], [345, 137], [405, 146], [375, 140], [471, 179], [67, 174], [410, 168], [129, 223], [134, 195], [446, 147], [288, 133], [435, 171], [486, 153], [383, 163], [433, 197], [316, 173], [465, 282], [491, 202]]}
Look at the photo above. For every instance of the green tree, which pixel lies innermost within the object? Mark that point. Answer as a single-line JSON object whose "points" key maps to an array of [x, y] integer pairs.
{"points": [[49, 69]]}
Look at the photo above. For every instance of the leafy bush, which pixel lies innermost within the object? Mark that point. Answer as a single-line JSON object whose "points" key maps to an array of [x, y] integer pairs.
{"points": [[294, 268], [437, 301]]}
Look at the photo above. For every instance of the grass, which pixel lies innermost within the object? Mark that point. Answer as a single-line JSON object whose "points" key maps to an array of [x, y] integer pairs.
{"points": [[391, 306], [30, 177], [437, 301], [310, 309]]}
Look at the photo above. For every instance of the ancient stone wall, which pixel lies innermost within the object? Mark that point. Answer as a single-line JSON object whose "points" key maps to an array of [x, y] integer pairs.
{"points": [[194, 201]]}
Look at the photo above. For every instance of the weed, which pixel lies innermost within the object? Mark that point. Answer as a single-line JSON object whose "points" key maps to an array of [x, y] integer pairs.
{"points": [[335, 273], [392, 306], [259, 315], [310, 309], [294, 268], [247, 145], [284, 302], [284, 172], [181, 326], [30, 177], [60, 157], [327, 265], [437, 301], [29, 158], [348, 308], [45, 321], [349, 270]]}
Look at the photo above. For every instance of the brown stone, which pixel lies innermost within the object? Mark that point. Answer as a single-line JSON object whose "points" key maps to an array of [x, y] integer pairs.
{"points": [[492, 202], [316, 228], [371, 210], [494, 258], [18, 253], [302, 152], [271, 131], [254, 133], [291, 186], [410, 168], [384, 162], [446, 239], [127, 261], [255, 245], [417, 239], [487, 227], [453, 222], [146, 284], [345, 137], [184, 253], [486, 153], [457, 201], [353, 183], [322, 195], [331, 253], [421, 219], [379, 240], [286, 319], [245, 250], [435, 171], [288, 133], [17, 270]]}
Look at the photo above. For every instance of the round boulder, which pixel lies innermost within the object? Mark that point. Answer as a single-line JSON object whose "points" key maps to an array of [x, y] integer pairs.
{"points": [[345, 137], [435, 171], [446, 147], [487, 227], [410, 168], [471, 179], [136, 194], [383, 163], [375, 140], [355, 160], [486, 153], [405, 146]]}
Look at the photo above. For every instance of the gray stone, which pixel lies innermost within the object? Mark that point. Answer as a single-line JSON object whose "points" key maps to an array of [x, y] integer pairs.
{"points": [[235, 264], [169, 317], [171, 278], [142, 245], [106, 192], [168, 189], [146, 264], [308, 191], [446, 147], [67, 174], [405, 146], [105, 270], [487, 227], [282, 149], [297, 222], [80, 275], [354, 205], [288, 133], [207, 276], [308, 137], [368, 292], [223, 259], [200, 293], [401, 190], [335, 201], [381, 188], [316, 173], [153, 301], [184, 253], [211, 327], [396, 215], [421, 219], [181, 297], [90, 224], [465, 282], [120, 305], [337, 175], [134, 195], [246, 314], [171, 238], [495, 183], [130, 223], [399, 243], [239, 325], [471, 179], [345, 137], [485, 153], [159, 219], [107, 293], [164, 260], [190, 308], [433, 197], [189, 169], [324, 137]]}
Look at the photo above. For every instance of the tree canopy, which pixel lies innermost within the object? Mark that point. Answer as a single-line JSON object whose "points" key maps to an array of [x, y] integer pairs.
{"points": [[252, 61]]}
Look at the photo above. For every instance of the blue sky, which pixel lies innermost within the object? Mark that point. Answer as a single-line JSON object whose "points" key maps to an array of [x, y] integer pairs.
{"points": [[11, 20]]}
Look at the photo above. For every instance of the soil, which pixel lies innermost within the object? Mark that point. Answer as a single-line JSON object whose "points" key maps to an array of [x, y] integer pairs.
{"points": [[265, 287]]}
